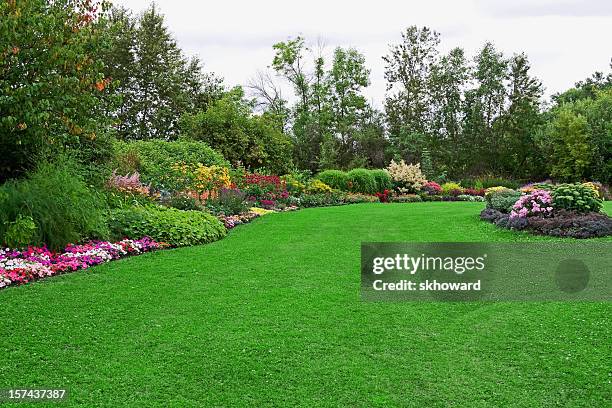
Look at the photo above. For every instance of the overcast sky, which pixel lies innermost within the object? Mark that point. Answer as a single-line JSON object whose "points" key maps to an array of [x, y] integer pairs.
{"points": [[566, 40]]}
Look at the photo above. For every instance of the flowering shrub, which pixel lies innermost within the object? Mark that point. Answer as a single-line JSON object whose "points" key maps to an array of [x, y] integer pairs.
{"points": [[384, 196], [128, 184], [316, 186], [538, 203], [204, 180], [452, 189], [19, 267], [432, 188], [261, 187], [576, 197], [480, 192], [408, 178], [471, 198]]}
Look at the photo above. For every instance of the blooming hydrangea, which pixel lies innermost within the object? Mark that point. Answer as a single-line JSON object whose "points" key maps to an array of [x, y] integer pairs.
{"points": [[537, 203], [18, 267]]}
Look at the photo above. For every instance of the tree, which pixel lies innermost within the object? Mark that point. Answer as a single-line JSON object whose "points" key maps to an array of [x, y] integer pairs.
{"points": [[408, 102], [519, 154], [244, 139], [52, 86], [156, 81]]}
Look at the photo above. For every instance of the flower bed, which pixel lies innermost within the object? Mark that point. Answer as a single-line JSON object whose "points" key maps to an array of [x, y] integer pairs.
{"points": [[19, 267]]}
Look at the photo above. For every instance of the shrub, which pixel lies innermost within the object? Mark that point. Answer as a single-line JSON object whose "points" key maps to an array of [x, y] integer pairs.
{"points": [[383, 180], [229, 201], [320, 200], [405, 198], [62, 206], [184, 202], [20, 233], [471, 198], [355, 198], [263, 187], [432, 188], [128, 184], [316, 186], [361, 181], [384, 196], [153, 159], [538, 203], [336, 179], [480, 192], [488, 181], [572, 224], [293, 184], [501, 199], [452, 189], [407, 178], [576, 197], [169, 225]]}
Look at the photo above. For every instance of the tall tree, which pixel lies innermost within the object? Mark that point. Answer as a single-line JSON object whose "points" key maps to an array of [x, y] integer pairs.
{"points": [[156, 81], [407, 105], [52, 83]]}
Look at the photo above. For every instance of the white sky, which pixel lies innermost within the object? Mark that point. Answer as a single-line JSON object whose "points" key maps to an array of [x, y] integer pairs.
{"points": [[566, 40]]}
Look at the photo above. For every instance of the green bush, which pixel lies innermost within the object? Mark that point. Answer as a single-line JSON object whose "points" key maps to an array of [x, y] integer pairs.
{"points": [[169, 225], [576, 197], [383, 180], [361, 181], [321, 200], [336, 179], [451, 188], [502, 200], [63, 208], [406, 198], [487, 181], [153, 159]]}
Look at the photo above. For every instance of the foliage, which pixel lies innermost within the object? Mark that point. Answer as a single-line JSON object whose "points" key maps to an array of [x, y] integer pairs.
{"points": [[294, 185], [535, 204], [169, 225], [501, 199], [577, 141], [432, 188], [383, 180], [128, 184], [155, 80], [356, 198], [576, 197], [229, 201], [261, 187], [64, 209], [202, 179], [562, 224], [336, 179], [572, 224], [51, 82], [243, 138], [20, 232], [361, 181], [470, 197], [321, 200], [383, 196], [451, 188], [406, 177], [184, 202], [154, 159], [406, 198], [316, 186]]}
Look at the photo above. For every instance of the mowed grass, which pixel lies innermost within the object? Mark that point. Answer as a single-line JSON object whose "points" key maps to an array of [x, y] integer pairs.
{"points": [[272, 316]]}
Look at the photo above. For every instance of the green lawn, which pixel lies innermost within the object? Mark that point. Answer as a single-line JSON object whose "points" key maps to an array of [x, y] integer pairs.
{"points": [[271, 316]]}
